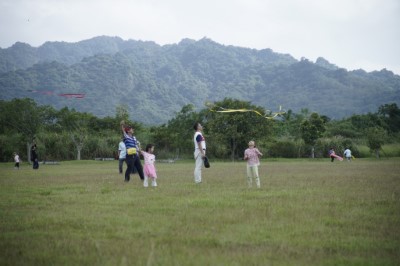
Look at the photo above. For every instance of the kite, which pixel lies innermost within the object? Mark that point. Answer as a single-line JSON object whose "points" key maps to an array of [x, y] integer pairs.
{"points": [[214, 108], [65, 95], [73, 95], [337, 157]]}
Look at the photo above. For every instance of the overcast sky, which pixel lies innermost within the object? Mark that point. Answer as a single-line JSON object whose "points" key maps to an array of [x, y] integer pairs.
{"points": [[352, 34]]}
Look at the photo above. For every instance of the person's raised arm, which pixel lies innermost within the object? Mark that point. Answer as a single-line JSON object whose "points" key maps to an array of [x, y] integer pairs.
{"points": [[122, 124]]}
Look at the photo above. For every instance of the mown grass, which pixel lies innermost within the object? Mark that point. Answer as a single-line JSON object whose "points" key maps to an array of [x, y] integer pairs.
{"points": [[307, 212]]}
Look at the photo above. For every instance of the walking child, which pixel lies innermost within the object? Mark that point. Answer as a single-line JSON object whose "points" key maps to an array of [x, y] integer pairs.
{"points": [[252, 155], [16, 160], [149, 167]]}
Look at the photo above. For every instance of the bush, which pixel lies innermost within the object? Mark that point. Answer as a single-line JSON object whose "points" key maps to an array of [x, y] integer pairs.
{"points": [[286, 149]]}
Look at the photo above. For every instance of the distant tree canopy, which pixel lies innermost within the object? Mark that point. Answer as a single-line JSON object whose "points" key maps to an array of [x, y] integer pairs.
{"points": [[67, 134]]}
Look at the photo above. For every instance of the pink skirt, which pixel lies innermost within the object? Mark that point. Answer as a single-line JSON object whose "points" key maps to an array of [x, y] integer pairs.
{"points": [[150, 170]]}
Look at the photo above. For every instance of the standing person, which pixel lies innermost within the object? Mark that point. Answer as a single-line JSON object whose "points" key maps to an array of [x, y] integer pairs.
{"points": [[251, 155], [121, 155], [149, 167], [132, 156], [34, 156], [347, 154], [199, 151], [16, 160]]}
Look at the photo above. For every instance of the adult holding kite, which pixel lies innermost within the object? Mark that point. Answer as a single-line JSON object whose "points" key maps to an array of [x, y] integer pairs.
{"points": [[132, 156]]}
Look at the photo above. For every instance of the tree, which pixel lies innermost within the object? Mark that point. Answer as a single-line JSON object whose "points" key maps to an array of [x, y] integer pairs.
{"points": [[311, 130], [376, 137], [77, 126], [391, 115], [232, 131], [22, 116]]}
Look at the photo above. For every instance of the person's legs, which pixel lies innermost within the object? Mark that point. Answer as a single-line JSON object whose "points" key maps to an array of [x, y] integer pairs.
{"points": [[139, 167], [129, 165], [249, 176], [198, 166], [257, 177], [120, 165], [153, 182]]}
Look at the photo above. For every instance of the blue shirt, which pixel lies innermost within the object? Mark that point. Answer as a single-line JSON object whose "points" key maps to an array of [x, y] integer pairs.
{"points": [[130, 142]]}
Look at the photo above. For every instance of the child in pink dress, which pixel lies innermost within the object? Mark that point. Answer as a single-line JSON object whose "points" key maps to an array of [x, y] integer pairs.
{"points": [[251, 155], [149, 168]]}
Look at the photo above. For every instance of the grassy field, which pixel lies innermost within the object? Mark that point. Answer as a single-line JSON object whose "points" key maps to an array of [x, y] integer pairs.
{"points": [[306, 213]]}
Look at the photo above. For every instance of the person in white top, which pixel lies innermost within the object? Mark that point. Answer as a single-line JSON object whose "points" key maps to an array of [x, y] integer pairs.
{"points": [[252, 155], [347, 154], [199, 151], [16, 160], [121, 155]]}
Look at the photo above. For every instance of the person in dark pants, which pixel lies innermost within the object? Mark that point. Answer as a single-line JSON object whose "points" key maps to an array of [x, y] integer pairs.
{"points": [[34, 157], [132, 156]]}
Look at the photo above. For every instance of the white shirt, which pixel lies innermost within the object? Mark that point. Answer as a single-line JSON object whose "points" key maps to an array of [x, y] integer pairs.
{"points": [[347, 153], [202, 141], [122, 150]]}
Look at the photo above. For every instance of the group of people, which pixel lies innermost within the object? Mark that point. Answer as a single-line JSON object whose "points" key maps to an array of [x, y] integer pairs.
{"points": [[251, 155], [129, 150], [34, 158], [346, 154]]}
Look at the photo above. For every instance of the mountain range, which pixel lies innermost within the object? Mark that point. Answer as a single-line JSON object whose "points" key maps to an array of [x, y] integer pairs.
{"points": [[155, 81]]}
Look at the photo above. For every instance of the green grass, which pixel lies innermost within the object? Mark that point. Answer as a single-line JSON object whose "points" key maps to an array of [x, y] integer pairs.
{"points": [[307, 212]]}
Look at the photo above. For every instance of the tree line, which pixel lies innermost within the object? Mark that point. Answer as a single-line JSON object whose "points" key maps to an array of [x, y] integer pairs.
{"points": [[66, 134]]}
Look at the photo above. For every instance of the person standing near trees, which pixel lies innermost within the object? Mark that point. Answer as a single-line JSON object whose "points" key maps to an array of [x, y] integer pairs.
{"points": [[34, 156], [251, 155], [121, 155], [132, 156], [199, 151], [16, 160], [347, 154]]}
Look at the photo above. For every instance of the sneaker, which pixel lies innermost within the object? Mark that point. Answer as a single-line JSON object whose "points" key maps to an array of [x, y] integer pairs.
{"points": [[145, 182], [154, 183]]}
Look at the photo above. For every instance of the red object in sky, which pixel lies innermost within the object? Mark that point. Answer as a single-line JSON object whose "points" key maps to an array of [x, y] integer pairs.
{"points": [[73, 95]]}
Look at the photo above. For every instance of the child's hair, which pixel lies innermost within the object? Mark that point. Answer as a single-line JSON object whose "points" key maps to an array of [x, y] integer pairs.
{"points": [[196, 125], [148, 147]]}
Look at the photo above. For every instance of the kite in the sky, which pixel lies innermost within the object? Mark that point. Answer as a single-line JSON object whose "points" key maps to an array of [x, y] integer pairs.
{"points": [[73, 95], [271, 115], [65, 95]]}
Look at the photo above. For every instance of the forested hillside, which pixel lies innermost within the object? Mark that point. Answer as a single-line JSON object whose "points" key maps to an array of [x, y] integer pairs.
{"points": [[155, 81]]}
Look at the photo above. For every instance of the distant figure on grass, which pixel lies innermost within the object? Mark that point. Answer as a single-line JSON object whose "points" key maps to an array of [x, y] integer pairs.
{"points": [[121, 155], [149, 167], [347, 154], [333, 155], [132, 157], [252, 155], [199, 151], [16, 160], [34, 157]]}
